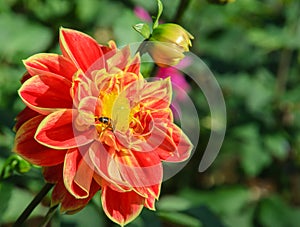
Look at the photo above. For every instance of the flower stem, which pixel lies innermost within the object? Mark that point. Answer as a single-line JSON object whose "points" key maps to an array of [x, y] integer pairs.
{"points": [[36, 200], [49, 215], [180, 10]]}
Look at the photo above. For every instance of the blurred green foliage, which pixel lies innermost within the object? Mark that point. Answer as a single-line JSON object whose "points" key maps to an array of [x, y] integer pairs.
{"points": [[252, 47]]}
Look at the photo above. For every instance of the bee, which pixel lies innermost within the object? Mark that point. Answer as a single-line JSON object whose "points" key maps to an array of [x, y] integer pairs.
{"points": [[106, 121]]}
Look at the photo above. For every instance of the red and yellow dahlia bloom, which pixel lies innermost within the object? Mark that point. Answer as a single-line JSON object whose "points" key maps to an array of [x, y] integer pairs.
{"points": [[93, 123]]}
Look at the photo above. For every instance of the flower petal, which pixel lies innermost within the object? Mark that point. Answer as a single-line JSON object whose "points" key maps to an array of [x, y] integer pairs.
{"points": [[121, 207], [89, 107], [120, 59], [152, 194], [26, 146], [141, 170], [150, 203], [77, 174], [157, 95], [46, 94], [25, 77], [134, 65], [58, 131], [110, 50], [69, 203], [183, 145], [126, 168], [53, 174], [102, 159], [81, 49], [175, 146], [24, 116], [50, 64]]}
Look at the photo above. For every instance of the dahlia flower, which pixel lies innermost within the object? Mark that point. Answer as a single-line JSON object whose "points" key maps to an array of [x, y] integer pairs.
{"points": [[94, 123]]}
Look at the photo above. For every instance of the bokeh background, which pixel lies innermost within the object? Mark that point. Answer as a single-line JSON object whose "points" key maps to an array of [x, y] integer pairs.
{"points": [[251, 46]]}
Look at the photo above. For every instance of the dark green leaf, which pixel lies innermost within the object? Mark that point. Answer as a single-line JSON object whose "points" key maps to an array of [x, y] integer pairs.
{"points": [[173, 203], [180, 219], [5, 195]]}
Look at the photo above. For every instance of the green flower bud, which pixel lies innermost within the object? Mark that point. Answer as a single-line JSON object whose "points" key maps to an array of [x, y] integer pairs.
{"points": [[169, 43]]}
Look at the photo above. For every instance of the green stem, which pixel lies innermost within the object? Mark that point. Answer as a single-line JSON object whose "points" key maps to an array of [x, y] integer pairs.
{"points": [[36, 200], [141, 49], [49, 215], [283, 71], [180, 10]]}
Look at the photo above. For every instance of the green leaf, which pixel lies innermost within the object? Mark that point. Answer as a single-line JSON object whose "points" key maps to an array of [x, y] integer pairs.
{"points": [[5, 195], [20, 199], [277, 145], [229, 204], [273, 211], [227, 200], [159, 12], [123, 35], [89, 216], [87, 10], [180, 219], [207, 217], [249, 144], [173, 203], [21, 37], [150, 218], [143, 29]]}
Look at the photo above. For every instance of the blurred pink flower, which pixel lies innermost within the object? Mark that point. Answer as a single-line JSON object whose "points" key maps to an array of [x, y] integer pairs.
{"points": [[141, 13], [179, 84]]}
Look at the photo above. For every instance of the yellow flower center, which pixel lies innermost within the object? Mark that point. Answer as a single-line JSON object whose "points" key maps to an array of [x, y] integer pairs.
{"points": [[115, 114]]}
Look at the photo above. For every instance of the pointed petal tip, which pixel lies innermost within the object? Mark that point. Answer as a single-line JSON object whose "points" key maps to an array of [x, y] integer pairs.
{"points": [[122, 208]]}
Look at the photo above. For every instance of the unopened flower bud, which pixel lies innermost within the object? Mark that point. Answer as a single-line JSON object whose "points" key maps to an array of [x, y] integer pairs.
{"points": [[169, 42]]}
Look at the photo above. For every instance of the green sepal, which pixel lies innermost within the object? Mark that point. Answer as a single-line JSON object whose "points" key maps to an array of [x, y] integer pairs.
{"points": [[143, 29], [159, 12], [14, 163]]}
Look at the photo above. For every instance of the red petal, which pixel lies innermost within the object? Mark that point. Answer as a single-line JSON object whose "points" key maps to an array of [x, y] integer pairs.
{"points": [[53, 174], [134, 65], [50, 64], [26, 146], [141, 170], [58, 193], [109, 50], [173, 144], [121, 207], [24, 116], [150, 203], [120, 59], [157, 94], [45, 94], [68, 202], [25, 77], [77, 173], [183, 145], [102, 159], [58, 131], [81, 49], [151, 194]]}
